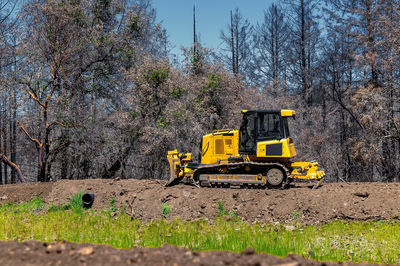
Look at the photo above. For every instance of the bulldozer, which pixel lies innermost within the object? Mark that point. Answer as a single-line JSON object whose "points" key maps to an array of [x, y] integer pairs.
{"points": [[258, 155]]}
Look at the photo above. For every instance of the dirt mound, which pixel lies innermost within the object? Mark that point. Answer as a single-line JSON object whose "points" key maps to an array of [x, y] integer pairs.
{"points": [[38, 253], [15, 193], [143, 198]]}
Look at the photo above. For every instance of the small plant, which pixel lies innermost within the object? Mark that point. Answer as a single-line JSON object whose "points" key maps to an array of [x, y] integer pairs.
{"points": [[112, 204], [296, 214], [76, 203], [221, 209], [233, 214], [165, 209]]}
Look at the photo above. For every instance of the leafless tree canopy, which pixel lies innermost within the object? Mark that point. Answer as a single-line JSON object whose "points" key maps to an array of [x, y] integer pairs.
{"points": [[88, 90]]}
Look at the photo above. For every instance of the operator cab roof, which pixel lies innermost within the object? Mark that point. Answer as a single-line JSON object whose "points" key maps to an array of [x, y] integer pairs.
{"points": [[283, 112]]}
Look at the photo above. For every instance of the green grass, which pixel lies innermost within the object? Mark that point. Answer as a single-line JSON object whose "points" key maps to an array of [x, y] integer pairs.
{"points": [[75, 204], [338, 241]]}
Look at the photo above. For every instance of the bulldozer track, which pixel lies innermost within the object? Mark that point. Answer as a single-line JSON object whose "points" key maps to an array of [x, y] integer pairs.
{"points": [[225, 175]]}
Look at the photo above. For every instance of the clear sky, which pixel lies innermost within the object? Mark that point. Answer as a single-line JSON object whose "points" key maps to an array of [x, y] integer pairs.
{"points": [[211, 17]]}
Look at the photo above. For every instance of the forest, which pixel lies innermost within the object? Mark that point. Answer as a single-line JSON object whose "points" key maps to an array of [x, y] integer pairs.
{"points": [[90, 88]]}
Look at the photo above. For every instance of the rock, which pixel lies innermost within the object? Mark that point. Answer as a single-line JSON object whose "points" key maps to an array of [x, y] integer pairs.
{"points": [[4, 197], [249, 251], [86, 251], [290, 228], [361, 194]]}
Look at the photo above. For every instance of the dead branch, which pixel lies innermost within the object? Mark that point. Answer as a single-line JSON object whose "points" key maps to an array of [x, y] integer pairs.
{"points": [[34, 97], [4, 158], [29, 136]]}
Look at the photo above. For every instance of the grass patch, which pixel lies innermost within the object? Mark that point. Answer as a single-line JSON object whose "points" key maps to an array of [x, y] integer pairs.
{"points": [[75, 204], [375, 242]]}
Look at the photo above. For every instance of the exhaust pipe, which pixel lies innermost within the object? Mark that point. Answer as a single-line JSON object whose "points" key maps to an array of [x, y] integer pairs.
{"points": [[87, 200]]}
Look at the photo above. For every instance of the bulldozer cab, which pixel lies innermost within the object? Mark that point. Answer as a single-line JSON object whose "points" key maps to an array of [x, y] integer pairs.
{"points": [[261, 126]]}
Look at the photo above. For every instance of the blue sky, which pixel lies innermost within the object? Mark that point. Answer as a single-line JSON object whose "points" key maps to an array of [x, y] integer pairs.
{"points": [[211, 17]]}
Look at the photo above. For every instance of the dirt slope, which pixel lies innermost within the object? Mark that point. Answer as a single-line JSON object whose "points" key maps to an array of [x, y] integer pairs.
{"points": [[143, 198], [37, 253]]}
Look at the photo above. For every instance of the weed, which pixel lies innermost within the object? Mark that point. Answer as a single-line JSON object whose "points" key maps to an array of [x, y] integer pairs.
{"points": [[76, 203], [295, 214], [221, 209], [165, 209], [233, 214], [112, 204]]}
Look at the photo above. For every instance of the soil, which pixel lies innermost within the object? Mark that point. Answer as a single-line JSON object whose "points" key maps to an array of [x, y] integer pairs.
{"points": [[38, 253], [142, 199]]}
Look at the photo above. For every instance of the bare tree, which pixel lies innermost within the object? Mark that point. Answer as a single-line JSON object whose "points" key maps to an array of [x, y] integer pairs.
{"points": [[301, 50], [236, 53], [270, 39]]}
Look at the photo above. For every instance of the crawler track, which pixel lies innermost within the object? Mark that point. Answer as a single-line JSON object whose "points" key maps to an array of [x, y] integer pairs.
{"points": [[242, 174]]}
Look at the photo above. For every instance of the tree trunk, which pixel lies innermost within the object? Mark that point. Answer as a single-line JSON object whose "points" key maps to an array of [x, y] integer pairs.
{"points": [[303, 52], [237, 48], [233, 47], [371, 44], [14, 166], [13, 134], [1, 136], [5, 142]]}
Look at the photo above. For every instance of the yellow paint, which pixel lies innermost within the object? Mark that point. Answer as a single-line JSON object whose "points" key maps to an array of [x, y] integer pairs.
{"points": [[219, 146], [288, 113], [306, 170], [288, 150]]}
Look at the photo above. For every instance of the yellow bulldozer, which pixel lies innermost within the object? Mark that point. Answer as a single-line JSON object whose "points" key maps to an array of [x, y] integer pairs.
{"points": [[259, 154]]}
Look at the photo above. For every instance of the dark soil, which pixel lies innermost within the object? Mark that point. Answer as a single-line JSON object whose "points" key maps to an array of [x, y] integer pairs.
{"points": [[143, 198], [37, 253]]}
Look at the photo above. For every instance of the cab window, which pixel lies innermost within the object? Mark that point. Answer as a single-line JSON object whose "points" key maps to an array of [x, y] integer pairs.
{"points": [[269, 126]]}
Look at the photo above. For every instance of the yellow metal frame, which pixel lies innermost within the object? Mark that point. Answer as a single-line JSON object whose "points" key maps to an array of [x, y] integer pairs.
{"points": [[177, 162], [306, 170], [288, 113], [219, 146], [288, 150]]}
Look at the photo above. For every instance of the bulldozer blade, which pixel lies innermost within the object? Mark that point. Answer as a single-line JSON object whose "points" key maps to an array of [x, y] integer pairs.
{"points": [[173, 180], [173, 168]]}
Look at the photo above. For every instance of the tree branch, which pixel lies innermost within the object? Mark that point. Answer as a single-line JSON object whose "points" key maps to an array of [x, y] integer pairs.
{"points": [[4, 158], [29, 136], [34, 97]]}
